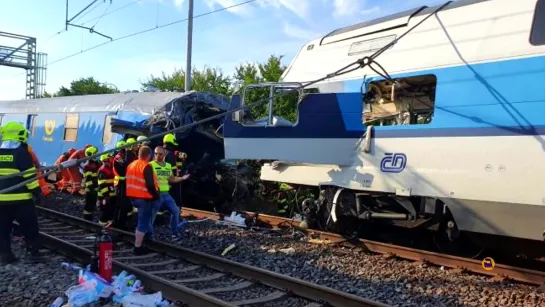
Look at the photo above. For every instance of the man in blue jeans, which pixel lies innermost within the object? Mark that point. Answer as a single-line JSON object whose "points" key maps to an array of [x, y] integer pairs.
{"points": [[163, 172]]}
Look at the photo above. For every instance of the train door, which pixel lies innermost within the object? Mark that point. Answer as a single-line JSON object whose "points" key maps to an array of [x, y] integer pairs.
{"points": [[31, 126], [1, 119], [108, 137]]}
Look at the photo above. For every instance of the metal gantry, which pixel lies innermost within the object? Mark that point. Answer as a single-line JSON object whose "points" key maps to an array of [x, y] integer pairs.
{"points": [[22, 54]]}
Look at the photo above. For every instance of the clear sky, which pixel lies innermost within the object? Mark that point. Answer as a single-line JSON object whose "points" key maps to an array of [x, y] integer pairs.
{"points": [[250, 32]]}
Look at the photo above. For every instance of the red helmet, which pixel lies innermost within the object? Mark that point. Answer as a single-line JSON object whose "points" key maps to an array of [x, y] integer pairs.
{"points": [[71, 151]]}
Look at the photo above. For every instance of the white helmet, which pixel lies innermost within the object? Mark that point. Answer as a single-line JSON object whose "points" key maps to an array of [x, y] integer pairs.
{"points": [[141, 138]]}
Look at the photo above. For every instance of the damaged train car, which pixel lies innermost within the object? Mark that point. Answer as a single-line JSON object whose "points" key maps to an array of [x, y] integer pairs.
{"points": [[59, 123], [215, 183]]}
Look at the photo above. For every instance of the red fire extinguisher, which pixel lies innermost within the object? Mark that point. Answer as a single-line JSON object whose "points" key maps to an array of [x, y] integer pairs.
{"points": [[102, 263], [105, 255]]}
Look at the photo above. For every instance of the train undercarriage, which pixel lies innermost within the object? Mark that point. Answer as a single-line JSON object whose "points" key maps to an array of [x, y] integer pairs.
{"points": [[421, 222]]}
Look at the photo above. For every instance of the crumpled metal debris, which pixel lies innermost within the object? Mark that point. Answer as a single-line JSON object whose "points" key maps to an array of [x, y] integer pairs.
{"points": [[214, 183]]}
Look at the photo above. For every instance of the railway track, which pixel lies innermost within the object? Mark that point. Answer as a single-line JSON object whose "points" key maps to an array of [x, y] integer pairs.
{"points": [[194, 278], [499, 271]]}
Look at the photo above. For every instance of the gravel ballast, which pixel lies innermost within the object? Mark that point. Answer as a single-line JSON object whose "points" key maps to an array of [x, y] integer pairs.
{"points": [[36, 284], [387, 280], [33, 284]]}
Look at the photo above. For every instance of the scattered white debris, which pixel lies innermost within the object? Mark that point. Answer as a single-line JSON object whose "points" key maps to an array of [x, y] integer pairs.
{"points": [[287, 251]]}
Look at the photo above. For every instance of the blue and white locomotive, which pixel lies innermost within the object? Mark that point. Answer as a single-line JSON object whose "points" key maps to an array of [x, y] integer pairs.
{"points": [[452, 131]]}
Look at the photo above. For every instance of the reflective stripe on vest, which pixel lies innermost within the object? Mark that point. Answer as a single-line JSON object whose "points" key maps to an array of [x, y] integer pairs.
{"points": [[117, 178], [136, 184], [163, 173]]}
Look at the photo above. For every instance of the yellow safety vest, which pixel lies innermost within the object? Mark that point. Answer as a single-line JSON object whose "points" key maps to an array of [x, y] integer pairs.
{"points": [[163, 173]]}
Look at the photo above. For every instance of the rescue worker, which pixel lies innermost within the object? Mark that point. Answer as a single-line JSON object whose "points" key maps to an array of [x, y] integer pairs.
{"points": [[143, 190], [131, 154], [64, 174], [144, 143], [286, 195], [163, 172], [90, 173], [106, 191], [121, 204], [175, 158], [18, 204], [43, 185], [75, 176], [142, 138]]}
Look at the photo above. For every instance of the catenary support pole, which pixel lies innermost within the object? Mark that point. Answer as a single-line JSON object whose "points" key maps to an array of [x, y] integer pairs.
{"points": [[189, 45]]}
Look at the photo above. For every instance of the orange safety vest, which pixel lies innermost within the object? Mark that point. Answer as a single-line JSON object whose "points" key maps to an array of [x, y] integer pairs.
{"points": [[136, 184]]}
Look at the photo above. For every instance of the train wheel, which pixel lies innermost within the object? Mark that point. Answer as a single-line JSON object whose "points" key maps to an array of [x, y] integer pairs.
{"points": [[449, 240]]}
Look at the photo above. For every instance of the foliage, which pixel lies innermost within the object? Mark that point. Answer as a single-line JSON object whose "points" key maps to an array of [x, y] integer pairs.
{"points": [[213, 80], [83, 86], [206, 80]]}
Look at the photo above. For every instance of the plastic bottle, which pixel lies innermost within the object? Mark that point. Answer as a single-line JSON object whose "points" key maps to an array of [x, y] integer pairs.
{"points": [[58, 302], [70, 266], [82, 294], [136, 286], [122, 286], [137, 299], [103, 288]]}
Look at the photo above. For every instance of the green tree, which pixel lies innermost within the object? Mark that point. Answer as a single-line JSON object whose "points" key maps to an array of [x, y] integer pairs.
{"points": [[46, 95], [206, 80], [213, 80], [83, 86]]}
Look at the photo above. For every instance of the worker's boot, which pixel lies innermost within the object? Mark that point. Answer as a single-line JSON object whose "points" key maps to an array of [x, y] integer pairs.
{"points": [[16, 232], [33, 254], [138, 251], [8, 258]]}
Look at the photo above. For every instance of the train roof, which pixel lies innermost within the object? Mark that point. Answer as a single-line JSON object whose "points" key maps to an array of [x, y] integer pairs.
{"points": [[142, 102], [408, 14]]}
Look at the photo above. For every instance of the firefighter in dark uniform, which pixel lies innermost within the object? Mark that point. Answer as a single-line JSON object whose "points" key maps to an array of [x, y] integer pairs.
{"points": [[18, 204], [120, 170], [106, 191], [174, 157], [90, 172], [131, 154]]}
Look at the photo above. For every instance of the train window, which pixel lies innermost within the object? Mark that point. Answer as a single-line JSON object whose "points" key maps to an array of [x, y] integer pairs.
{"points": [[107, 135], [31, 124], [410, 102], [282, 110], [537, 35], [71, 127]]}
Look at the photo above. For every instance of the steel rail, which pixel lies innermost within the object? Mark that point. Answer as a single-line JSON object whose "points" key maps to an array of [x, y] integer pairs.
{"points": [[500, 270], [296, 286], [169, 289]]}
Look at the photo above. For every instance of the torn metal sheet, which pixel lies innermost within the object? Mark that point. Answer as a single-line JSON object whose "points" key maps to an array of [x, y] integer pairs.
{"points": [[214, 182]]}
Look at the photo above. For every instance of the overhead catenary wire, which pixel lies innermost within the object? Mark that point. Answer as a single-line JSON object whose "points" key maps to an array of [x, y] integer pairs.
{"points": [[149, 30], [359, 64], [116, 10], [85, 22]]}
